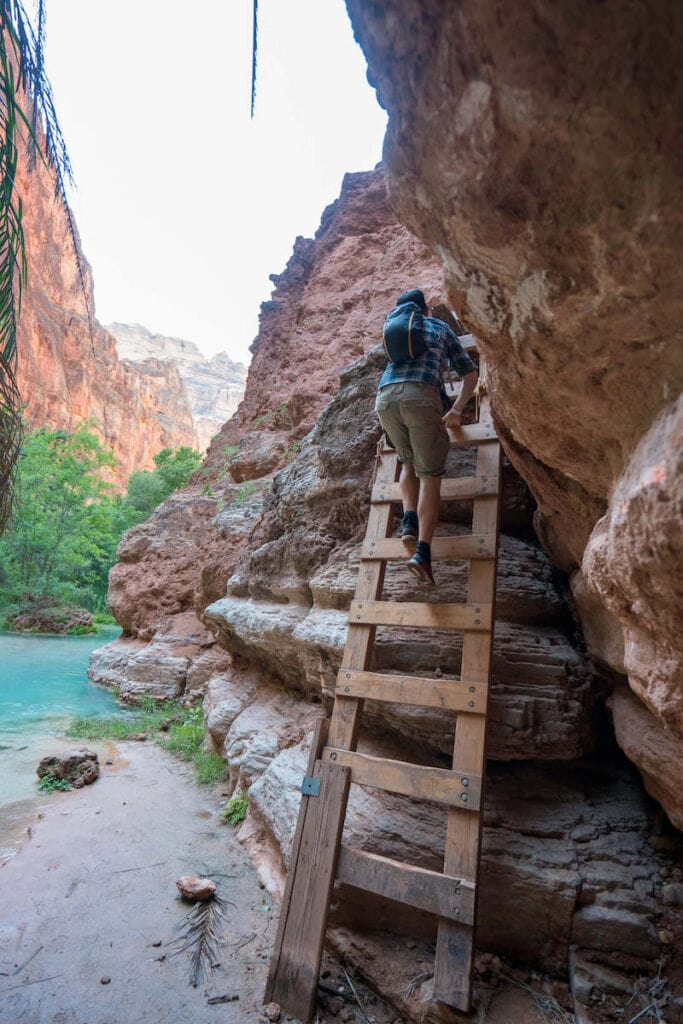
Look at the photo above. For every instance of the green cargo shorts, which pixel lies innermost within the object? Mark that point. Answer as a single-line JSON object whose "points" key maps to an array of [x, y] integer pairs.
{"points": [[411, 415]]}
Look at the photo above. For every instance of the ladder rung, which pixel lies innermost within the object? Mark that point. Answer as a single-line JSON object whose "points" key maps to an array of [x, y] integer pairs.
{"points": [[424, 616], [473, 433], [474, 546], [452, 898], [416, 780], [449, 694], [461, 488]]}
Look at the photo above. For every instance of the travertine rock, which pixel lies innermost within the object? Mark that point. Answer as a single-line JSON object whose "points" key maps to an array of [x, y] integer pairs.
{"points": [[78, 767], [572, 842], [167, 668]]}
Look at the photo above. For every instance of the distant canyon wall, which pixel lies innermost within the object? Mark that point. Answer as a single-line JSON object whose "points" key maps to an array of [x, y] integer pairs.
{"points": [[69, 371], [214, 386]]}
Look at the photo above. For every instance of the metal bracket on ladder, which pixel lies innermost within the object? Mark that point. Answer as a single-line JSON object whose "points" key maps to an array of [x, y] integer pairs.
{"points": [[317, 854]]}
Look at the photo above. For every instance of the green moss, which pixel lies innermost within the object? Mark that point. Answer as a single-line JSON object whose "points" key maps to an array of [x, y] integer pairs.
{"points": [[236, 808], [49, 783]]}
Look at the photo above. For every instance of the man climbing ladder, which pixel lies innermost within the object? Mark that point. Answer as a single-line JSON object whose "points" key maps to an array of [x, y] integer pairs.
{"points": [[319, 858], [410, 405]]}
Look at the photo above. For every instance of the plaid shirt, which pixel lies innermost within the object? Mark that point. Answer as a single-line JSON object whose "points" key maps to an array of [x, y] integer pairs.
{"points": [[428, 368]]}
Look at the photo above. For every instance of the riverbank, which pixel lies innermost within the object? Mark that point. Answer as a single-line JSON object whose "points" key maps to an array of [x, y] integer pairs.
{"points": [[92, 895]]}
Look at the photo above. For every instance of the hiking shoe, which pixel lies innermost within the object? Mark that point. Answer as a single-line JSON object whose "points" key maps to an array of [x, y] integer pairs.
{"points": [[410, 529], [422, 568]]}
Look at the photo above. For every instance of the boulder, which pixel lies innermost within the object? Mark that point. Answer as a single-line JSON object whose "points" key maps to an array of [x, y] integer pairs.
{"points": [[77, 767]]}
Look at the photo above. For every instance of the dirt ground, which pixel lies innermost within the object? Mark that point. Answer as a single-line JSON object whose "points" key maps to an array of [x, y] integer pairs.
{"points": [[89, 909], [91, 896]]}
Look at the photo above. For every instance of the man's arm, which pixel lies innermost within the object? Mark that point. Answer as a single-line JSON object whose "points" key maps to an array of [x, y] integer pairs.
{"points": [[454, 414]]}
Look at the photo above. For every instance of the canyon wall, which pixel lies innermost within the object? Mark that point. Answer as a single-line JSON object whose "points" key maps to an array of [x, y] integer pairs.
{"points": [[238, 589], [68, 369], [214, 386], [535, 149]]}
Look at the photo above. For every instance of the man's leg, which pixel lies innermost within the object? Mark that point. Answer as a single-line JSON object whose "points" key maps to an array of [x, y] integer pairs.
{"points": [[428, 506], [410, 486]]}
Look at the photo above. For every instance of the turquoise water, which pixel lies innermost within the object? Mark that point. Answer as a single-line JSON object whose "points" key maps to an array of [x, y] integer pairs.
{"points": [[43, 685], [44, 682]]}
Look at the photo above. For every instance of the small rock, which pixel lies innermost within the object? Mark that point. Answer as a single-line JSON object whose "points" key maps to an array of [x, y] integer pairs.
{"points": [[192, 888], [157, 943], [272, 1011], [105, 980], [666, 937], [672, 895], [110, 760]]}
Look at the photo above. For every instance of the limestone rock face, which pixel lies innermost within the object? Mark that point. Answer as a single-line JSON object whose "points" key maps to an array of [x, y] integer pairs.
{"points": [[536, 153], [69, 371], [214, 386], [259, 556]]}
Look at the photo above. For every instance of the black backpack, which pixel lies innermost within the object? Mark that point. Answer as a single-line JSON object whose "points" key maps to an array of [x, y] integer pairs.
{"points": [[403, 333]]}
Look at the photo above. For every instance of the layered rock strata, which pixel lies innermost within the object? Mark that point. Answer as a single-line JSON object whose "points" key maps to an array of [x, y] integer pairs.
{"points": [[68, 369], [535, 151], [263, 549], [214, 386]]}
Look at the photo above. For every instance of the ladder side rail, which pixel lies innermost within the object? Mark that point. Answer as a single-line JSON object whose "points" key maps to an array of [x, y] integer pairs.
{"points": [[455, 943], [360, 639], [319, 737]]}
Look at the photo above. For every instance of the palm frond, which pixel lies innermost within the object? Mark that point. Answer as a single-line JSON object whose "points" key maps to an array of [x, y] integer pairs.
{"points": [[254, 50], [202, 930], [27, 114]]}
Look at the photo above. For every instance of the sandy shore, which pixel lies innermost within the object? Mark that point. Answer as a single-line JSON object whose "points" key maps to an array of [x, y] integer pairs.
{"points": [[91, 895]]}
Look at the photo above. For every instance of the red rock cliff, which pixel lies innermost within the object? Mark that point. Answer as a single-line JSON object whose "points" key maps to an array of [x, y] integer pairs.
{"points": [[66, 376], [239, 587], [535, 149]]}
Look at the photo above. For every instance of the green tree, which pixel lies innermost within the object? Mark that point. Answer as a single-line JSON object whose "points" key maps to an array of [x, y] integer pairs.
{"points": [[174, 468], [148, 488], [62, 539], [145, 491]]}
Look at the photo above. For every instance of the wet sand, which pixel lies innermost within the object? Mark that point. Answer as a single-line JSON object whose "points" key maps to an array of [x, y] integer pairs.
{"points": [[91, 895]]}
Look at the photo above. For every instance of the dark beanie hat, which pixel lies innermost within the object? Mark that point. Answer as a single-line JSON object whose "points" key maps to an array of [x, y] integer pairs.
{"points": [[414, 295]]}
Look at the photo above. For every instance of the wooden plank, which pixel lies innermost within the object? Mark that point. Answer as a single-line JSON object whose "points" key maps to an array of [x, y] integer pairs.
{"points": [[294, 985], [450, 898], [347, 711], [419, 781], [449, 694], [320, 732], [461, 488], [455, 944], [472, 433], [467, 547], [422, 616]]}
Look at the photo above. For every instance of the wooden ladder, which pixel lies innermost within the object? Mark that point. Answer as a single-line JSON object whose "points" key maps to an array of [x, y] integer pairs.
{"points": [[317, 857]]}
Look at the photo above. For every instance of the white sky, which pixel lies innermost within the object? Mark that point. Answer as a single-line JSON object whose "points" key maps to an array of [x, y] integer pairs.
{"points": [[184, 205]]}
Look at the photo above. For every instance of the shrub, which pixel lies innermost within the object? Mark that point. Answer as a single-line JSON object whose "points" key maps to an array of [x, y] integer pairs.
{"points": [[236, 808], [49, 783]]}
